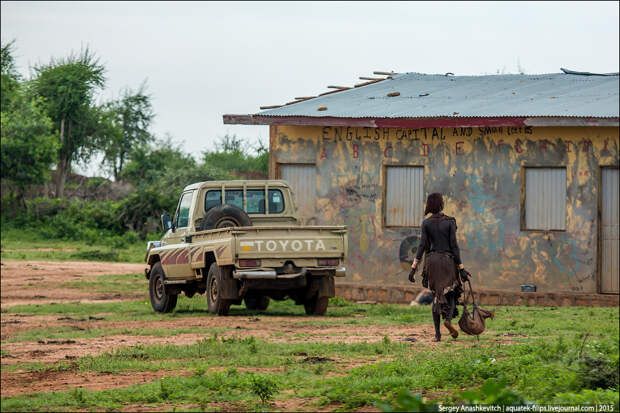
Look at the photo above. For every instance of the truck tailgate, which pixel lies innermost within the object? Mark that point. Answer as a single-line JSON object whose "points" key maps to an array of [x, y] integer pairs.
{"points": [[295, 242]]}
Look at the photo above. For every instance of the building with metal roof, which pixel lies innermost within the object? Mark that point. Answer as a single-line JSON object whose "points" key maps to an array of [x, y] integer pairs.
{"points": [[528, 165]]}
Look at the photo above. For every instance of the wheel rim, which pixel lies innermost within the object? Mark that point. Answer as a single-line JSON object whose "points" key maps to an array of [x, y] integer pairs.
{"points": [[227, 222], [213, 293], [159, 288]]}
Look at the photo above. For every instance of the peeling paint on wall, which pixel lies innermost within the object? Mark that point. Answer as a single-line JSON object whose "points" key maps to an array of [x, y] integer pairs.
{"points": [[480, 173]]}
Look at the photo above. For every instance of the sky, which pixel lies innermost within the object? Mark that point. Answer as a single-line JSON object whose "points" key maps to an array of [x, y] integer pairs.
{"points": [[205, 59]]}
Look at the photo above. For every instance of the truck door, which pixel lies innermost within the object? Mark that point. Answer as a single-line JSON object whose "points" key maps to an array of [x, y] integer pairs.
{"points": [[176, 260]]}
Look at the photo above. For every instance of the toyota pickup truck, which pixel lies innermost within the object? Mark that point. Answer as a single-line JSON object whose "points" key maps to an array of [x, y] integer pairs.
{"points": [[241, 241]]}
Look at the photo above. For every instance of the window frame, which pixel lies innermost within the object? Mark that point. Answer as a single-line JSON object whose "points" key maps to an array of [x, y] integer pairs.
{"points": [[178, 210], [265, 188], [523, 222], [384, 169]]}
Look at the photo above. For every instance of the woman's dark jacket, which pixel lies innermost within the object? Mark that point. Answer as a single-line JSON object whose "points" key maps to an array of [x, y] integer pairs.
{"points": [[439, 235], [440, 272]]}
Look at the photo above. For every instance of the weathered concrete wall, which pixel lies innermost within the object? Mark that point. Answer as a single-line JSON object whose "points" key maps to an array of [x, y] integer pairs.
{"points": [[479, 171], [404, 294]]}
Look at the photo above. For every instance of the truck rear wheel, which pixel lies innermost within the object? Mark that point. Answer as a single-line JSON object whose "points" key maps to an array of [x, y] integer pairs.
{"points": [[217, 304], [260, 302], [317, 305], [162, 301]]}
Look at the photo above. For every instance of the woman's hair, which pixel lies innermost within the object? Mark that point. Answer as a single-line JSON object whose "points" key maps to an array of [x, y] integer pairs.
{"points": [[434, 203]]}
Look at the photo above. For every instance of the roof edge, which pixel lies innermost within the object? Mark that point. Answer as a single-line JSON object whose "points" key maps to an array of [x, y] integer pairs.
{"points": [[436, 122]]}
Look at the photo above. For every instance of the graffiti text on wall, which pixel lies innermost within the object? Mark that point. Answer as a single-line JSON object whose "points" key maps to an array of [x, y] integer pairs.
{"points": [[351, 133]]}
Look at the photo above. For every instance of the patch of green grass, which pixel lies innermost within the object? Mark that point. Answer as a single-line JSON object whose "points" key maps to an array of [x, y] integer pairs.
{"points": [[26, 244], [200, 389], [76, 332]]}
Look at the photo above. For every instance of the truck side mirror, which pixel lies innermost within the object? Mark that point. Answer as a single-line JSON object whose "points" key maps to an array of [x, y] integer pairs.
{"points": [[166, 222]]}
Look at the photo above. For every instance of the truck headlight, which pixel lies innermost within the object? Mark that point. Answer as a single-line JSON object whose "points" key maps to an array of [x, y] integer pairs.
{"points": [[153, 244]]}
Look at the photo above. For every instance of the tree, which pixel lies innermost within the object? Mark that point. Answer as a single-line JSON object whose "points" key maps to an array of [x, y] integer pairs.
{"points": [[159, 171], [27, 144], [10, 76], [68, 85], [29, 147], [127, 122], [235, 154], [151, 162]]}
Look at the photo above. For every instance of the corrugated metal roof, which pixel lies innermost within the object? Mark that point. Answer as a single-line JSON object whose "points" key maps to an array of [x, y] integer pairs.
{"points": [[423, 95]]}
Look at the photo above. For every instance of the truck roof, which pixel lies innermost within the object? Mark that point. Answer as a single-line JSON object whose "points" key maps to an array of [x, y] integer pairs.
{"points": [[248, 182]]}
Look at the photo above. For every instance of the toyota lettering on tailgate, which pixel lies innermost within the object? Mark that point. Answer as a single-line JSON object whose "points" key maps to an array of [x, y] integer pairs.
{"points": [[283, 245]]}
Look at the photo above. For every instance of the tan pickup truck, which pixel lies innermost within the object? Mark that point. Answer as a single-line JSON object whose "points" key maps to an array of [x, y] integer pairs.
{"points": [[242, 241]]}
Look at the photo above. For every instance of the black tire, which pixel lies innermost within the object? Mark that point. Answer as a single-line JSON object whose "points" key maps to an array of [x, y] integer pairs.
{"points": [[317, 305], [162, 301], [225, 216], [260, 302], [217, 305]]}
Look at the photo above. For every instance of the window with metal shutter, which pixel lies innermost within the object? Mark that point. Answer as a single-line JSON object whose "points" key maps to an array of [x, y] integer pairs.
{"points": [[302, 179], [404, 196], [545, 199]]}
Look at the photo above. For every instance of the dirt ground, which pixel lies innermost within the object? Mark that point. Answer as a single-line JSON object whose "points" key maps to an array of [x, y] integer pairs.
{"points": [[37, 282], [19, 286]]}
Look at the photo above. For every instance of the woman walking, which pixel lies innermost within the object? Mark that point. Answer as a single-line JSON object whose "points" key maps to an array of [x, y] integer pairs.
{"points": [[443, 270]]}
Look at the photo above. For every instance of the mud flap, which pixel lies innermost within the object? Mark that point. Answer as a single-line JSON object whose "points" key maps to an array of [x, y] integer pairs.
{"points": [[327, 288], [229, 288]]}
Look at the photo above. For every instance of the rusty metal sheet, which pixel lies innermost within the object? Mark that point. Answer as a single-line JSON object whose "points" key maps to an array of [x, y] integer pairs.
{"points": [[545, 198], [404, 196], [609, 230], [302, 179], [428, 96]]}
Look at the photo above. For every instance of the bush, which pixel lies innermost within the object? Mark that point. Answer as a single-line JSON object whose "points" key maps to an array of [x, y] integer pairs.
{"points": [[589, 397], [598, 372], [265, 387]]}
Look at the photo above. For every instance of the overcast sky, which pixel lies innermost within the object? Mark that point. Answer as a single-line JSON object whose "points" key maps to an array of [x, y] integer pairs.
{"points": [[203, 60]]}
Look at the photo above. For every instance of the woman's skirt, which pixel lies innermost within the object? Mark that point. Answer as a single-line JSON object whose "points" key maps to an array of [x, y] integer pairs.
{"points": [[441, 275]]}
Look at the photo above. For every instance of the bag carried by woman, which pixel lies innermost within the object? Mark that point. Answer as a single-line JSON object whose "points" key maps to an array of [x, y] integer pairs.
{"points": [[473, 323]]}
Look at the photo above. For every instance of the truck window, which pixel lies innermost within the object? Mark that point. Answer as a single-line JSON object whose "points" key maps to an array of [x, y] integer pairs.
{"points": [[234, 197], [256, 201], [276, 201], [182, 215], [213, 199]]}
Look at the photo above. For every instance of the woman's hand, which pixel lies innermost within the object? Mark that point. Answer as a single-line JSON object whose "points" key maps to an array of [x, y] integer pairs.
{"points": [[414, 268], [465, 275]]}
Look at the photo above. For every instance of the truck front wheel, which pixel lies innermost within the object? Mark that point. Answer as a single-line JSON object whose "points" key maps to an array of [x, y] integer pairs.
{"points": [[217, 304], [316, 305], [162, 301]]}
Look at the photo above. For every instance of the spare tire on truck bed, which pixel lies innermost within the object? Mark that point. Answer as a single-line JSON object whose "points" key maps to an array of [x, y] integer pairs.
{"points": [[223, 216]]}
